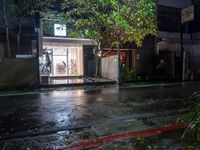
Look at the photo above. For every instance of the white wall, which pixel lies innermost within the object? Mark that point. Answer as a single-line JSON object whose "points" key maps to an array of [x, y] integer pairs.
{"points": [[109, 67], [80, 60], [175, 3]]}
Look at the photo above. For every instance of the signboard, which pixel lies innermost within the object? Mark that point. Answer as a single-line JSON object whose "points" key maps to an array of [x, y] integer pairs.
{"points": [[60, 30], [187, 14]]}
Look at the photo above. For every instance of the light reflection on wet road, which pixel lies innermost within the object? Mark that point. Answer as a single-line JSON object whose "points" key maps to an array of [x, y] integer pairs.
{"points": [[58, 109]]}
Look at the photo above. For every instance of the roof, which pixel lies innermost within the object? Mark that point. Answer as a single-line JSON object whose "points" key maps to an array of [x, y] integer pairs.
{"points": [[65, 40]]}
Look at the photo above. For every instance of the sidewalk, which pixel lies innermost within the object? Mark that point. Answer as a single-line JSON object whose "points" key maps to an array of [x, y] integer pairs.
{"points": [[123, 135], [120, 125], [79, 82]]}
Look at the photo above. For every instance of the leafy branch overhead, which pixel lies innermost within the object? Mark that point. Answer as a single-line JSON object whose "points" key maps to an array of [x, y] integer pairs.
{"points": [[97, 19], [16, 13]]}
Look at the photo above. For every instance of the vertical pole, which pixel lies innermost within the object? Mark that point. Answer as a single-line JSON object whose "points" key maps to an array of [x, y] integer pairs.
{"points": [[37, 34], [67, 60], [52, 64], [173, 65], [156, 39], [118, 51], [182, 52], [118, 54], [183, 77]]}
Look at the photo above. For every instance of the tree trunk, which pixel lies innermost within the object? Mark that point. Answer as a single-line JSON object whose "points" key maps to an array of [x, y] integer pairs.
{"points": [[7, 28], [97, 66], [98, 49], [19, 35]]}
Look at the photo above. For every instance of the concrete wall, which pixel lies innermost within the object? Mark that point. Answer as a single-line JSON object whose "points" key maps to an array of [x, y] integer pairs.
{"points": [[1, 50], [109, 67], [175, 3], [18, 72]]}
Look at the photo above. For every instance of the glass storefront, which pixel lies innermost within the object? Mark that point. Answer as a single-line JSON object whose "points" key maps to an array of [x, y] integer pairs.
{"points": [[64, 60]]}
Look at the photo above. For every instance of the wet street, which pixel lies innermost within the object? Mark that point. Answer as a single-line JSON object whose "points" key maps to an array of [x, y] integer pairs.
{"points": [[24, 115]]}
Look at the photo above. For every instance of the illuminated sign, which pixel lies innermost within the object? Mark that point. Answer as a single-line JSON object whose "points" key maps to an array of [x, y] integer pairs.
{"points": [[60, 30], [187, 14]]}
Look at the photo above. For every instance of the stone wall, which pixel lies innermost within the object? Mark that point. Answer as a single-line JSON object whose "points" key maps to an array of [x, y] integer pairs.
{"points": [[18, 72]]}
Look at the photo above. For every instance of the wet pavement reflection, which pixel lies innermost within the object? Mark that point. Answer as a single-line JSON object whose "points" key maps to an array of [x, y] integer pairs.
{"points": [[40, 113]]}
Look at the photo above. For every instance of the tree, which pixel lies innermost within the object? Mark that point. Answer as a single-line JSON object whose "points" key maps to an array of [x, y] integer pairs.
{"points": [[25, 9], [98, 19], [6, 26]]}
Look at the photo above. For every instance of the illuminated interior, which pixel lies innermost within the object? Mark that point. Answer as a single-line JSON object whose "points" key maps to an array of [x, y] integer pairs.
{"points": [[66, 60]]}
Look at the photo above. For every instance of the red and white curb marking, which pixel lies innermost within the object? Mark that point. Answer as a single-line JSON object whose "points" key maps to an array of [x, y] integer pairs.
{"points": [[91, 143]]}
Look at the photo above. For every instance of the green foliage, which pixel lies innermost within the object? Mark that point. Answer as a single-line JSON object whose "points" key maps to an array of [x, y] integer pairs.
{"points": [[48, 26], [98, 19], [193, 117], [73, 33], [26, 8], [127, 74]]}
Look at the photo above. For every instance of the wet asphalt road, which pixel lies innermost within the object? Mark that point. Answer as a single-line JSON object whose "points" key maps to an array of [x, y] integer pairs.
{"points": [[59, 110]]}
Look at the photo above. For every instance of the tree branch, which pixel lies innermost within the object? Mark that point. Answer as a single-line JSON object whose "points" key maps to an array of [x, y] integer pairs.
{"points": [[7, 28]]}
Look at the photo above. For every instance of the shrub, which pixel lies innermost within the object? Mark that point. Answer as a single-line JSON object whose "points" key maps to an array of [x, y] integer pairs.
{"points": [[193, 117], [127, 74]]}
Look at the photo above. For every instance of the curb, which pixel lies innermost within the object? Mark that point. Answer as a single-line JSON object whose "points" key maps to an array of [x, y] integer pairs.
{"points": [[157, 84], [91, 143], [78, 84], [51, 87]]}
